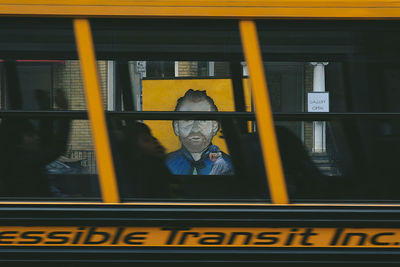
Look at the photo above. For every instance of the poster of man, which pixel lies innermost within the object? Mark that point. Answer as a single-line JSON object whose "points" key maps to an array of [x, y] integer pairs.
{"points": [[195, 137], [219, 90]]}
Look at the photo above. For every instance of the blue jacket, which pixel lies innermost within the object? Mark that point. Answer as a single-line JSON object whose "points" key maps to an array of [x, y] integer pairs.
{"points": [[180, 162]]}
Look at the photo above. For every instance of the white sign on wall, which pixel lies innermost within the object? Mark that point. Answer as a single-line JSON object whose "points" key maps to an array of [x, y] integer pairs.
{"points": [[141, 67], [318, 102]]}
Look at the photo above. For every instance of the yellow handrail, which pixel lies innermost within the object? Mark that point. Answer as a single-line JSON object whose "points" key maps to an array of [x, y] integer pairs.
{"points": [[94, 103], [265, 123]]}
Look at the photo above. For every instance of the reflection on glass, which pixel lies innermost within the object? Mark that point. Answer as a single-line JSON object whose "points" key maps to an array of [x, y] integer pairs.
{"points": [[36, 161], [303, 178], [26, 148], [74, 173], [349, 167], [144, 168], [140, 162], [50, 156], [199, 161]]}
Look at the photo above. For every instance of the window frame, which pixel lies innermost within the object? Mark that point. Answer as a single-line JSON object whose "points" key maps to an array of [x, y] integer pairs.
{"points": [[107, 178], [291, 9]]}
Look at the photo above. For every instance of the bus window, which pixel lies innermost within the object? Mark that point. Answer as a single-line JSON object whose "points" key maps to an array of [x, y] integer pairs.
{"points": [[46, 151], [334, 87], [178, 88]]}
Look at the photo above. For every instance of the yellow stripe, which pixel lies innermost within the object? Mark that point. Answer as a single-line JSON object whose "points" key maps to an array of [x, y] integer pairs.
{"points": [[363, 9], [105, 164], [217, 3], [265, 123]]}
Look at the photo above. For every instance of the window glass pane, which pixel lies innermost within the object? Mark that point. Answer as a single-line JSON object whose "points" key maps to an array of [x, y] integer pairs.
{"points": [[148, 168], [175, 68], [44, 155], [335, 67]]}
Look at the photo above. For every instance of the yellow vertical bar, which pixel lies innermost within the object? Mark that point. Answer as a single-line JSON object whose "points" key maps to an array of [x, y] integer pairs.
{"points": [[265, 123], [94, 103]]}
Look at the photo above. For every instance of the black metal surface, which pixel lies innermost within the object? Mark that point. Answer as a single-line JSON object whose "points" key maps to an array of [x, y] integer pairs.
{"points": [[170, 115], [200, 256], [142, 115], [201, 215], [326, 116], [204, 216]]}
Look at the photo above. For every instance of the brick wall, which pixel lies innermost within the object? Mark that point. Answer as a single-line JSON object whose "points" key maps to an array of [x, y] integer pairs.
{"points": [[68, 78], [308, 87], [191, 68], [187, 68]]}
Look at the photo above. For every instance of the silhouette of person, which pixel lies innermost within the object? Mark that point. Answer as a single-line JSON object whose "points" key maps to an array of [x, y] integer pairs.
{"points": [[143, 162], [26, 150]]}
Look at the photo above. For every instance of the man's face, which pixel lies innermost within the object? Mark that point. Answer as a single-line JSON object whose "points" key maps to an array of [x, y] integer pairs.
{"points": [[195, 135]]}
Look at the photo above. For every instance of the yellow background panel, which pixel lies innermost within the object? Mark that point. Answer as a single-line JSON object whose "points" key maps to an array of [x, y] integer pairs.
{"points": [[162, 95]]}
